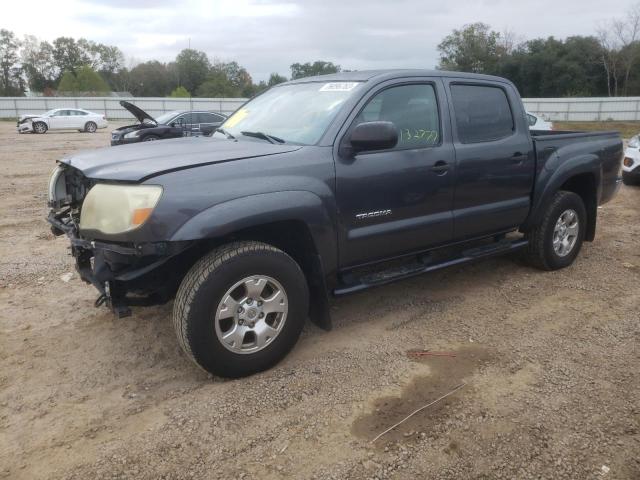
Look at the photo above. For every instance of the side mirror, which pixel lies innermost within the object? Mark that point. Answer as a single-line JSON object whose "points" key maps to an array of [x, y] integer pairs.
{"points": [[373, 136]]}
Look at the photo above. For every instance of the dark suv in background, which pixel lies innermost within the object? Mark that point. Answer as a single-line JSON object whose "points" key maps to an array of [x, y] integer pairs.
{"points": [[174, 124]]}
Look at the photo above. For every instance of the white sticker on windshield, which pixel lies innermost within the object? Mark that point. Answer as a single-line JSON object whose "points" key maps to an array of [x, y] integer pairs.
{"points": [[338, 86]]}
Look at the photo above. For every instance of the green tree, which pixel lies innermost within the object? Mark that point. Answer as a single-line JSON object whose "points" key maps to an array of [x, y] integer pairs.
{"points": [[87, 80], [150, 79], [300, 70], [192, 68], [227, 79], [474, 48], [10, 79], [68, 55], [180, 92], [68, 83], [275, 79], [37, 63], [90, 81]]}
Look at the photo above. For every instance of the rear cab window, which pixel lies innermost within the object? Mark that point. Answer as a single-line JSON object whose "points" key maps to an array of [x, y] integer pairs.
{"points": [[482, 113]]}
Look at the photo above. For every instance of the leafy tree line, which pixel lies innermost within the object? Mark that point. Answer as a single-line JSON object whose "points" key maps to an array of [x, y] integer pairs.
{"points": [[70, 66], [606, 64]]}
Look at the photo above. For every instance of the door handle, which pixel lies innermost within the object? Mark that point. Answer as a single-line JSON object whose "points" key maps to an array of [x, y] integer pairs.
{"points": [[440, 167], [519, 157]]}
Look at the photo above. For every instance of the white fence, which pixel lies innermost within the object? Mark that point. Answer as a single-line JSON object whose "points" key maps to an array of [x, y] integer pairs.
{"points": [[585, 109], [12, 107], [556, 109]]}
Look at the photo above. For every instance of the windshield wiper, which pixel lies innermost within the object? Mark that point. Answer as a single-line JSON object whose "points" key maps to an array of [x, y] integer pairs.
{"points": [[225, 133], [263, 136]]}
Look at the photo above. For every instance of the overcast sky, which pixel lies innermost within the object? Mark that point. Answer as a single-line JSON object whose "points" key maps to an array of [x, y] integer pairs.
{"points": [[268, 35]]}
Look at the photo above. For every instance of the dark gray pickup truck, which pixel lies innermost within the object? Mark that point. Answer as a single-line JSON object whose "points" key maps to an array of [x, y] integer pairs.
{"points": [[325, 185]]}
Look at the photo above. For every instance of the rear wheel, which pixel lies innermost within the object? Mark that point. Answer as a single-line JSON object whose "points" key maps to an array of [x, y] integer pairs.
{"points": [[90, 127], [556, 241], [40, 127], [241, 308]]}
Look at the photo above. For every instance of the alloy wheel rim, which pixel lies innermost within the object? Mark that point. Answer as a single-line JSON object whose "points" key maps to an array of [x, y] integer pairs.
{"points": [[565, 232], [251, 314]]}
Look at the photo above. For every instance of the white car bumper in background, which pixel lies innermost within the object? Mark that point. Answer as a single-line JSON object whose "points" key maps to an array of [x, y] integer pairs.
{"points": [[631, 159]]}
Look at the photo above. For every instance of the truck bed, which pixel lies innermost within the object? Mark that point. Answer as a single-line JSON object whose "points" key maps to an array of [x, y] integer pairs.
{"points": [[599, 153]]}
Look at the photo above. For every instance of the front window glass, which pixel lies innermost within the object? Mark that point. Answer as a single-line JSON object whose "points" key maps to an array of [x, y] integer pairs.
{"points": [[413, 109], [298, 113]]}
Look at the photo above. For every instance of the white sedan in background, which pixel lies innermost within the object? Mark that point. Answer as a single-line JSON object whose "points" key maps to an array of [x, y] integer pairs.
{"points": [[62, 119], [538, 123]]}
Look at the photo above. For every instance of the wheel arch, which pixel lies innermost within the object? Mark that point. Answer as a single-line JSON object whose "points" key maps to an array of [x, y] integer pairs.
{"points": [[580, 175], [296, 222]]}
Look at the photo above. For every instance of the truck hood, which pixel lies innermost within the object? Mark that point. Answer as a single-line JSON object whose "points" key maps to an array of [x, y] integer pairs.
{"points": [[140, 161], [137, 112]]}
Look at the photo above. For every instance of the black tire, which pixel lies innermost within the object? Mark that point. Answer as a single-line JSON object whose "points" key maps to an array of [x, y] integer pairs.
{"points": [[540, 251], [631, 180], [90, 127], [150, 138], [40, 127], [202, 290]]}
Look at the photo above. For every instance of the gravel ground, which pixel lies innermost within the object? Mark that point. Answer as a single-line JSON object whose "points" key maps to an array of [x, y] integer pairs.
{"points": [[550, 363]]}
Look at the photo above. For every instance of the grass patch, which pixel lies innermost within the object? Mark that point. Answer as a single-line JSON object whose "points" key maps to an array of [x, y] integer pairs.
{"points": [[626, 129]]}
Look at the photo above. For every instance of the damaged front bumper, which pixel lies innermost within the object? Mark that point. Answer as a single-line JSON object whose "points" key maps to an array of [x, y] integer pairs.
{"points": [[125, 275], [25, 127]]}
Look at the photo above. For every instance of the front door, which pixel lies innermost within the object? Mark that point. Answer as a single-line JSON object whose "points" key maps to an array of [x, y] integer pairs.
{"points": [[59, 120], [398, 200]]}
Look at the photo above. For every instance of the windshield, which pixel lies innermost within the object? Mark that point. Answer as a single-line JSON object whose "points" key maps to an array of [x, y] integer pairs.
{"points": [[165, 117], [298, 113]]}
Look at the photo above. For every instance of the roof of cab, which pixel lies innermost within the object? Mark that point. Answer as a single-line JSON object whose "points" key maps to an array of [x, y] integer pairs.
{"points": [[382, 75]]}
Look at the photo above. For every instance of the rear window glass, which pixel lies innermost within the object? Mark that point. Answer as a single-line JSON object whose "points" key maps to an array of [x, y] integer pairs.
{"points": [[482, 113]]}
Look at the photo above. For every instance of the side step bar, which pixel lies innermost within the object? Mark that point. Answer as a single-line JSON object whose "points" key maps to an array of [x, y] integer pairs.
{"points": [[355, 284]]}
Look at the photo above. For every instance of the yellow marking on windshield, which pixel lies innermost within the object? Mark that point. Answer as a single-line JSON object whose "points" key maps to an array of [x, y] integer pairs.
{"points": [[234, 119]]}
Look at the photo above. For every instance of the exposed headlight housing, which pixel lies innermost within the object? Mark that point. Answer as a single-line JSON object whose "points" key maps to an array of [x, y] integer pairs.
{"points": [[57, 193], [115, 209], [635, 141]]}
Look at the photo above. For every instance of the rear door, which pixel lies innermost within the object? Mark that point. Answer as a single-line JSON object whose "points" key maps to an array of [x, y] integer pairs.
{"points": [[494, 158], [397, 200], [77, 119]]}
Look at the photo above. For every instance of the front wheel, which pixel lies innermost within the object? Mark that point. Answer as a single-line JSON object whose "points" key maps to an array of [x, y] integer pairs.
{"points": [[556, 241], [40, 127], [241, 308], [150, 138]]}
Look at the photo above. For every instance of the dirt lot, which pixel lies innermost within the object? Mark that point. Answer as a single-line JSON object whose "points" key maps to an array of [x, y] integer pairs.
{"points": [[551, 363]]}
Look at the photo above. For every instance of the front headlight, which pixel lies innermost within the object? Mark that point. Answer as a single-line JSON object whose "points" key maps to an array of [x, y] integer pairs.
{"points": [[635, 141], [118, 208], [134, 134]]}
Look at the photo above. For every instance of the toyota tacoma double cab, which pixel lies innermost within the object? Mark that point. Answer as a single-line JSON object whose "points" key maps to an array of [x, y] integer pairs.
{"points": [[325, 186]]}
